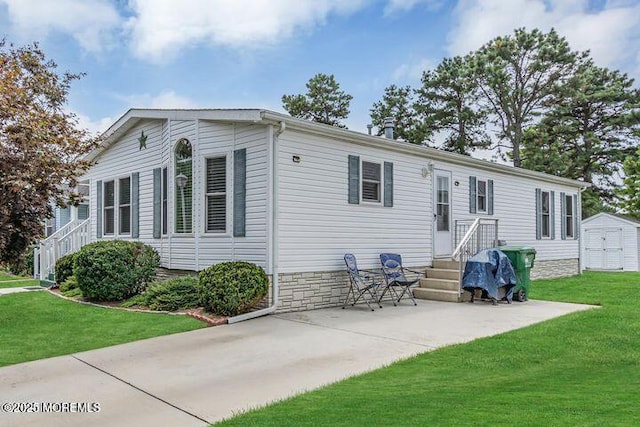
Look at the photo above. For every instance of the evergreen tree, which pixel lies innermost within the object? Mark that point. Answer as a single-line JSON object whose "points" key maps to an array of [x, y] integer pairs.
{"points": [[324, 102], [398, 103], [629, 194]]}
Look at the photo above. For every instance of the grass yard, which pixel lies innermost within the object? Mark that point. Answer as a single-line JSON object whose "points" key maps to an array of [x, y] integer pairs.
{"points": [[36, 325], [582, 370], [10, 281]]}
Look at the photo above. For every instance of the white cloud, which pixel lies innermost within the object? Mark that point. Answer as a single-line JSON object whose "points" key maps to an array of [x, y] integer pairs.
{"points": [[88, 21], [160, 28], [412, 71], [398, 6], [165, 99], [612, 33], [96, 127]]}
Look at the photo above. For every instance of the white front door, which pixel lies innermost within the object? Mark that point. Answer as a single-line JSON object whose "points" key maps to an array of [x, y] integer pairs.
{"points": [[442, 213], [603, 249]]}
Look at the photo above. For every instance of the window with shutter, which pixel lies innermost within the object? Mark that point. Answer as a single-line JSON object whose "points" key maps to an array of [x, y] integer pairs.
{"points": [[124, 205], [216, 195], [371, 174], [109, 207], [482, 196]]}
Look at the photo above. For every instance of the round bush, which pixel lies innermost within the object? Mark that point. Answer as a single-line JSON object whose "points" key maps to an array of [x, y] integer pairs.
{"points": [[113, 270], [232, 288], [64, 268], [174, 294]]}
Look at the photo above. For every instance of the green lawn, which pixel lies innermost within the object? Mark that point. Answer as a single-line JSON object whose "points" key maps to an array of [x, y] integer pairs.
{"points": [[17, 282], [581, 370], [5, 277], [36, 325]]}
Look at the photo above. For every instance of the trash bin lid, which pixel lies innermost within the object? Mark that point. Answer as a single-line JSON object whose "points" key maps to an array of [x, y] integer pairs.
{"points": [[521, 249]]}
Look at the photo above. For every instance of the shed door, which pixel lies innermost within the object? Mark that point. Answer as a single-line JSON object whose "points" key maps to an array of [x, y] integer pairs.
{"points": [[603, 249]]}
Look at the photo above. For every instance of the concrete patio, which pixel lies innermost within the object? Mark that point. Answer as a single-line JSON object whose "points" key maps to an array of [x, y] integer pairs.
{"points": [[199, 377]]}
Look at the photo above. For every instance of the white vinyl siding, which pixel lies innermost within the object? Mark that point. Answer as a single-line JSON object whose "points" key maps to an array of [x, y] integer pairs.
{"points": [[216, 195], [316, 222], [596, 225], [371, 181]]}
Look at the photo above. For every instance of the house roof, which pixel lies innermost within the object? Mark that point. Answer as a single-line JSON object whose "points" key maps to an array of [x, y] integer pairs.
{"points": [[615, 216], [134, 115]]}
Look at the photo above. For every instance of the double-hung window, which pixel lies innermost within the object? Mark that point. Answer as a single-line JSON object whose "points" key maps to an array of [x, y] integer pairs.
{"points": [[482, 196], [371, 177], [124, 205], [545, 214], [216, 195], [109, 207], [569, 216]]}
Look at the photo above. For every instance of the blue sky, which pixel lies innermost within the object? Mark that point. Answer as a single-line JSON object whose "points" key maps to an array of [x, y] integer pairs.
{"points": [[247, 54]]}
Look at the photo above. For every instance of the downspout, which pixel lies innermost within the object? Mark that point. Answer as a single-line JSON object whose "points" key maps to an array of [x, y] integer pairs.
{"points": [[275, 291], [579, 231]]}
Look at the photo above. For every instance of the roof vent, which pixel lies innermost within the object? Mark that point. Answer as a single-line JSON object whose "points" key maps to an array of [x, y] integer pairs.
{"points": [[388, 127]]}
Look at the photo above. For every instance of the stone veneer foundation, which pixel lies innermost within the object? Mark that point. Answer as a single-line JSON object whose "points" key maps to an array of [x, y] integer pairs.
{"points": [[322, 289]]}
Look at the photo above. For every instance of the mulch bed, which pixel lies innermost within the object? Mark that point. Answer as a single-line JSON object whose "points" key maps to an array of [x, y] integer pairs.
{"points": [[197, 313]]}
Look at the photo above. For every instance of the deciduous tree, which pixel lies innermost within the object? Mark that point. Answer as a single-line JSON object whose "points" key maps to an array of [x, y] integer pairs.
{"points": [[41, 147], [629, 193]]}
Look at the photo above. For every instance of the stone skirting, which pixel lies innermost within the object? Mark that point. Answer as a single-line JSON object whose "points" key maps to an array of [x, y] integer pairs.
{"points": [[555, 268], [313, 290]]}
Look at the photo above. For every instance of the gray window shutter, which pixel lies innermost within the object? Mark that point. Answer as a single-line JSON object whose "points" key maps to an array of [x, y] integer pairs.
{"points": [[563, 216], [135, 205], [472, 194], [99, 209], [576, 218], [552, 216], [538, 214], [157, 202], [354, 179], [490, 197], [239, 192], [388, 184]]}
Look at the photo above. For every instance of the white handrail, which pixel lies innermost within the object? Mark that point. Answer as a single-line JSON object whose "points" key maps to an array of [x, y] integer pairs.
{"points": [[472, 229], [68, 239]]}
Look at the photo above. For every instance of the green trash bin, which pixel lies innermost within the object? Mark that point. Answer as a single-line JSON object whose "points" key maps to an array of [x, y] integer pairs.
{"points": [[522, 259]]}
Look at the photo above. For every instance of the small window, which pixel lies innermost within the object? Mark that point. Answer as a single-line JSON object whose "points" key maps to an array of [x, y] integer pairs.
{"points": [[109, 206], [83, 211], [164, 201], [371, 173], [569, 216], [216, 195], [124, 205], [481, 196], [546, 214]]}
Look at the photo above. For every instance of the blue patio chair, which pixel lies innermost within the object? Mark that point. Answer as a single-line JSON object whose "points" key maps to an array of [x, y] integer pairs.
{"points": [[362, 284], [395, 277]]}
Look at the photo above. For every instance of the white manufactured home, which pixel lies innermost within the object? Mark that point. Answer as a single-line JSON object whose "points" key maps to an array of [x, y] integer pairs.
{"points": [[611, 242], [293, 196]]}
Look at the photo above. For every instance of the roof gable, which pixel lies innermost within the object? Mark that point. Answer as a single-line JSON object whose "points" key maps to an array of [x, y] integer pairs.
{"points": [[615, 217]]}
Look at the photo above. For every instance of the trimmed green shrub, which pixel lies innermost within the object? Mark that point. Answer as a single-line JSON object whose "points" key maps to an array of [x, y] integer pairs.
{"points": [[232, 288], [64, 268], [113, 270], [174, 294], [69, 284]]}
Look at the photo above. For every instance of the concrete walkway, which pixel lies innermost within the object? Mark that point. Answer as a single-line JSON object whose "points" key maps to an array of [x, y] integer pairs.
{"points": [[199, 377], [7, 291]]}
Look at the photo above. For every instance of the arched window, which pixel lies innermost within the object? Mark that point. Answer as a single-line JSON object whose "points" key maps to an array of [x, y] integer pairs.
{"points": [[184, 186]]}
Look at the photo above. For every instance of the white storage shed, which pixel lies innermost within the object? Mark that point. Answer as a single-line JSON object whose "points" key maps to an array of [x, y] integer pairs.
{"points": [[611, 242]]}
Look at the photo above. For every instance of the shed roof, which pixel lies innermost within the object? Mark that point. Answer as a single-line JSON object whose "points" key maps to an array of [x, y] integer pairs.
{"points": [[134, 115], [615, 217]]}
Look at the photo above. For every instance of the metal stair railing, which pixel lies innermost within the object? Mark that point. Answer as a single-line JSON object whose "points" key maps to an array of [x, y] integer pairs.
{"points": [[471, 237]]}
